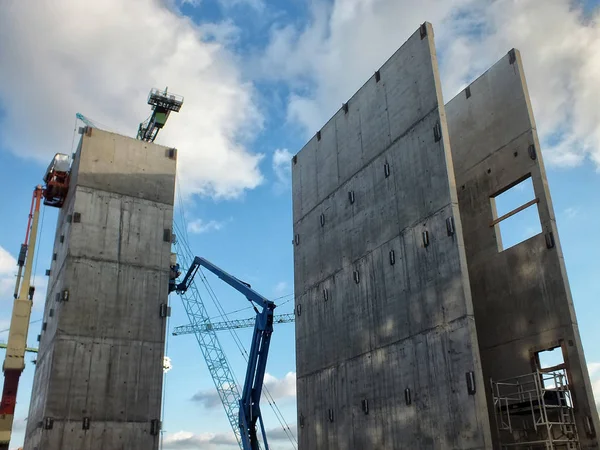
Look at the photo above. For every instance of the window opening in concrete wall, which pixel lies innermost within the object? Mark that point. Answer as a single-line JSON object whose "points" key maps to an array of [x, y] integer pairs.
{"points": [[551, 363], [551, 357], [515, 212]]}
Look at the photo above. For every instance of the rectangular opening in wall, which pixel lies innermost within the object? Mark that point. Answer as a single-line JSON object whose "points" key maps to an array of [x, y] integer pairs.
{"points": [[553, 375], [552, 357], [515, 213]]}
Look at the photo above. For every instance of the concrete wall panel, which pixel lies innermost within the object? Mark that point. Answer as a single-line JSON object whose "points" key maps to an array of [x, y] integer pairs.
{"points": [[101, 347], [385, 327], [521, 297], [127, 166]]}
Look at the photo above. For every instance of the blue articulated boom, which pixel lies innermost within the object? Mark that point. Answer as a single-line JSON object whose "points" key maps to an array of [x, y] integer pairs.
{"points": [[257, 361]]}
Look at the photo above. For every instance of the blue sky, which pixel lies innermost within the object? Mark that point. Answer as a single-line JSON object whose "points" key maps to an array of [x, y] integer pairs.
{"points": [[260, 77]]}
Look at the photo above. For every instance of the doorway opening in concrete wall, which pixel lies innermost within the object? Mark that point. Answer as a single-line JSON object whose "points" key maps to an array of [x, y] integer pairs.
{"points": [[515, 213]]}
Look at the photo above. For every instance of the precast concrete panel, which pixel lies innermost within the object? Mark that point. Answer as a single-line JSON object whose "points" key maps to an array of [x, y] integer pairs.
{"points": [[521, 296], [385, 334], [98, 379]]}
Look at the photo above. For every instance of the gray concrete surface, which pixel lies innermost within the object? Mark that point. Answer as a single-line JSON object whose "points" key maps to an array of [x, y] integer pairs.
{"points": [[521, 295], [373, 181], [101, 350]]}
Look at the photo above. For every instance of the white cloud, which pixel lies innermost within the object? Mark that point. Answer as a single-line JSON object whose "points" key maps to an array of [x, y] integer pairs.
{"points": [[281, 288], [281, 388], [208, 398], [4, 325], [192, 3], [279, 434], [258, 5], [225, 32], [102, 58], [7, 262], [571, 212], [328, 60], [594, 369], [282, 167], [8, 268], [199, 226], [184, 440]]}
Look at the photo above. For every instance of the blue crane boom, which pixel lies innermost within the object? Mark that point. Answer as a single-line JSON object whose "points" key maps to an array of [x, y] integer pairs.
{"points": [[228, 325], [216, 360], [249, 413]]}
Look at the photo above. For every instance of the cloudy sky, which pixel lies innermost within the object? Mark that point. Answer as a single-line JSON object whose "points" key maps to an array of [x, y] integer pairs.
{"points": [[259, 78]]}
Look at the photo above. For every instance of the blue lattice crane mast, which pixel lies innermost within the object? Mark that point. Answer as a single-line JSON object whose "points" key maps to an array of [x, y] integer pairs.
{"points": [[249, 413], [162, 103]]}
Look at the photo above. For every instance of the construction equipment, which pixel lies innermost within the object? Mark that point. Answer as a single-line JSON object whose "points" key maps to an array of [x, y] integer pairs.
{"points": [[85, 120], [14, 362], [57, 180], [210, 346], [228, 325], [162, 104], [27, 349], [249, 403]]}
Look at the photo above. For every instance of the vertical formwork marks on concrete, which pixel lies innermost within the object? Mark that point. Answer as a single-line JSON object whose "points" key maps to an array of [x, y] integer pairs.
{"points": [[377, 228]]}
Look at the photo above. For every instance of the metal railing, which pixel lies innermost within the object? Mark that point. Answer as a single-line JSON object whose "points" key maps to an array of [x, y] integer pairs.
{"points": [[535, 411]]}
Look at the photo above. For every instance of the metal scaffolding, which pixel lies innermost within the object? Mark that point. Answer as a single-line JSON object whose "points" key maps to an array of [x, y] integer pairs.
{"points": [[535, 411]]}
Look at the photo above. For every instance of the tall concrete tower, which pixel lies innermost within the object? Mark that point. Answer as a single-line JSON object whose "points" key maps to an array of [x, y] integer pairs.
{"points": [[98, 379]]}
